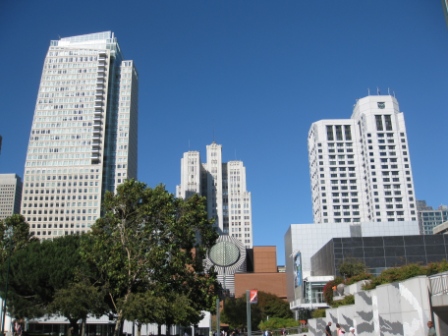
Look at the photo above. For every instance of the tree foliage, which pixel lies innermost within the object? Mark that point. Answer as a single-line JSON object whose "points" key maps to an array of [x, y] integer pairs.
{"points": [[14, 235], [269, 305], [150, 242], [351, 267], [278, 323], [44, 275]]}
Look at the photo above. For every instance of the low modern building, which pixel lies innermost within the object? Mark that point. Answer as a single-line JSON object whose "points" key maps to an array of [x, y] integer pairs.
{"points": [[379, 253], [302, 241], [10, 195]]}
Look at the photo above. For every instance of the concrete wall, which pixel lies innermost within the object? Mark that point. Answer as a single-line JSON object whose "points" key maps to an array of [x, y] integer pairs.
{"points": [[389, 310]]}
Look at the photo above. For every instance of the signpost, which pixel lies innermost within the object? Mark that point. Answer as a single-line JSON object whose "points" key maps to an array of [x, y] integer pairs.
{"points": [[251, 298], [223, 254]]}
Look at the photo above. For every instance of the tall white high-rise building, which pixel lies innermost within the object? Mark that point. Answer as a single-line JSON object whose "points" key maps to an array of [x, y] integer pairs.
{"points": [[10, 195], [360, 168], [83, 139], [224, 186]]}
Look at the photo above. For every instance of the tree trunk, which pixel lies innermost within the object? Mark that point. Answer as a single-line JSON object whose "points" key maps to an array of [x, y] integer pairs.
{"points": [[73, 330], [159, 330], [168, 330], [83, 327], [119, 324], [139, 329]]}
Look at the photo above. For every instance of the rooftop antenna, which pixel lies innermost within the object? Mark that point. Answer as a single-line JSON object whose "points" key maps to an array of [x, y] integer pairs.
{"points": [[388, 91], [394, 93], [368, 91]]}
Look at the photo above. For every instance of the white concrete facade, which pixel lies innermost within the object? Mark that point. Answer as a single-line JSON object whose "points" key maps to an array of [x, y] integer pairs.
{"points": [[224, 186], [400, 308], [83, 139], [10, 195], [360, 168]]}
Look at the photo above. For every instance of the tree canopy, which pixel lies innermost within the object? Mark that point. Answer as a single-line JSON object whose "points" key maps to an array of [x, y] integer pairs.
{"points": [[150, 243], [50, 277], [351, 267], [142, 260], [269, 305]]}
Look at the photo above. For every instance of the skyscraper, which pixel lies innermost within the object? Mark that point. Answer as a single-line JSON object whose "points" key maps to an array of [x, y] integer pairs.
{"points": [[224, 186], [360, 168], [83, 138], [10, 194]]}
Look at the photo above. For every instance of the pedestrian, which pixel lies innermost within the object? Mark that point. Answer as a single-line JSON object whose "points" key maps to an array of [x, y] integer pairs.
{"points": [[17, 329], [431, 329], [327, 329], [339, 330], [352, 331]]}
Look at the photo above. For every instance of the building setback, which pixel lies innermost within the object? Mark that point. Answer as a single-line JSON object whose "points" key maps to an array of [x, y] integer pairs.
{"points": [[83, 139], [360, 168], [10, 195], [224, 186]]}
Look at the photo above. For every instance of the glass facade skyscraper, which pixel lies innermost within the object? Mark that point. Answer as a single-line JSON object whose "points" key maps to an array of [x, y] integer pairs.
{"points": [[83, 139]]}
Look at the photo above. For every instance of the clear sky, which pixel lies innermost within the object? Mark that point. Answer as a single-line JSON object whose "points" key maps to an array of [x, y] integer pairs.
{"points": [[251, 75]]}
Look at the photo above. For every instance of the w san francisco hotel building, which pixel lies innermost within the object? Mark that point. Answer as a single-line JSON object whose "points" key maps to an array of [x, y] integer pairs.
{"points": [[83, 139]]}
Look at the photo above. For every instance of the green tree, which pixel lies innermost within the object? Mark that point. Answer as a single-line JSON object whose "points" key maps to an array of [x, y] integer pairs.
{"points": [[268, 306], [76, 301], [273, 306], [150, 242], [351, 267], [14, 235], [234, 313], [50, 277], [142, 308]]}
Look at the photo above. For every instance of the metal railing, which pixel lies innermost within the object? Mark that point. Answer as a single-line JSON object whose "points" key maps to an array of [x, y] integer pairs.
{"points": [[439, 284]]}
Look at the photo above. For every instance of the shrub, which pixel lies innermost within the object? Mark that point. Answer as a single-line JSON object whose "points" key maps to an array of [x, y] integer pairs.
{"points": [[436, 267], [359, 277], [347, 300], [318, 313], [329, 289], [396, 274], [278, 323]]}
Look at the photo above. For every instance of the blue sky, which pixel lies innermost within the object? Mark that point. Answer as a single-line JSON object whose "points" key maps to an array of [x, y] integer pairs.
{"points": [[251, 75]]}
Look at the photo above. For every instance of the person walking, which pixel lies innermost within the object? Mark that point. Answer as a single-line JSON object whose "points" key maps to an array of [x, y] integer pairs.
{"points": [[431, 329], [352, 331], [327, 329], [339, 330]]}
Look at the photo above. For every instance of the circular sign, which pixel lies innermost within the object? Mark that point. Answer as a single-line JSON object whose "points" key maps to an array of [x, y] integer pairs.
{"points": [[224, 254]]}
